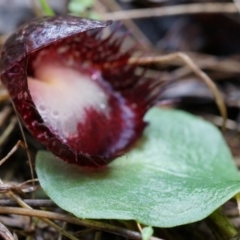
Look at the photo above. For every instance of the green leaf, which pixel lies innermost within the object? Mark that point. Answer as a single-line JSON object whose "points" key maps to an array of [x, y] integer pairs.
{"points": [[78, 6], [147, 233], [47, 10], [179, 172], [94, 15]]}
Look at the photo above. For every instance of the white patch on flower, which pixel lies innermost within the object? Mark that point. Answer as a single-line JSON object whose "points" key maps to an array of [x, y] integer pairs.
{"points": [[61, 96]]}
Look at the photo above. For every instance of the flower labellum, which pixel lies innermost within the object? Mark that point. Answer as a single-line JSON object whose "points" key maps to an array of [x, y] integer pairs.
{"points": [[74, 89]]}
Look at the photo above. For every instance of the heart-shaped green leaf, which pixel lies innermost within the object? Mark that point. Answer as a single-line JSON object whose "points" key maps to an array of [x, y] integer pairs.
{"points": [[179, 172]]}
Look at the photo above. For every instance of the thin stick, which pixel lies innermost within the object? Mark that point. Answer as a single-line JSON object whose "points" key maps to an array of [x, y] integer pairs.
{"points": [[35, 8], [222, 225], [25, 143], [21, 203], [3, 39], [210, 62], [139, 227], [216, 120], [237, 3], [4, 95], [8, 130], [237, 197], [28, 189], [183, 9], [63, 217], [188, 61], [31, 202], [14, 149], [137, 33], [4, 115], [5, 233]]}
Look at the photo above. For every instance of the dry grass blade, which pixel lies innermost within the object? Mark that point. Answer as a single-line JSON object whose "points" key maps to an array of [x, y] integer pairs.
{"points": [[37, 11], [3, 95], [18, 188], [4, 115], [63, 217], [188, 61], [210, 62], [3, 39], [216, 120], [137, 33], [38, 203], [182, 9], [8, 130], [5, 234], [16, 198], [237, 3], [14, 149], [25, 143]]}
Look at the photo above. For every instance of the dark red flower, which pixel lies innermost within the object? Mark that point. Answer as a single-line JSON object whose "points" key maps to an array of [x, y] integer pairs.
{"points": [[75, 90]]}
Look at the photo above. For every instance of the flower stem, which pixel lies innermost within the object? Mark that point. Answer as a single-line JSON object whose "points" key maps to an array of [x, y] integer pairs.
{"points": [[221, 226]]}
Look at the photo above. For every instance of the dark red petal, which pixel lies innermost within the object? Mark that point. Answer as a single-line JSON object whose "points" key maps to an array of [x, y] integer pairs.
{"points": [[87, 135]]}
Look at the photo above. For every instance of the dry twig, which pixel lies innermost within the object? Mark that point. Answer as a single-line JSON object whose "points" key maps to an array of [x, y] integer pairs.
{"points": [[194, 68], [14, 149], [63, 217], [21, 203], [182, 9], [138, 35], [5, 233]]}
